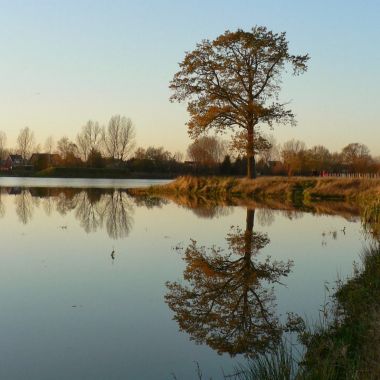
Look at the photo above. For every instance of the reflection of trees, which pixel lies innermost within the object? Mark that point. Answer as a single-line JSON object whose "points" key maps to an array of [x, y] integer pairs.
{"points": [[64, 204], [150, 201], [48, 205], [114, 209], [117, 209], [94, 208], [24, 205], [212, 211], [2, 207], [88, 211], [292, 214], [265, 217], [201, 206], [228, 301]]}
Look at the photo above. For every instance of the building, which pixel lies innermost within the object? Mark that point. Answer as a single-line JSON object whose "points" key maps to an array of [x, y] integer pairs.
{"points": [[13, 161]]}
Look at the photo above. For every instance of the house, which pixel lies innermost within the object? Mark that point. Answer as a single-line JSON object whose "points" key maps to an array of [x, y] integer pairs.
{"points": [[13, 161], [3, 166], [42, 161]]}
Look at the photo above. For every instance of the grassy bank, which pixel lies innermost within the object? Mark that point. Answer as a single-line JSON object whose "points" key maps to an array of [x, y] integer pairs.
{"points": [[280, 192], [271, 187], [346, 348]]}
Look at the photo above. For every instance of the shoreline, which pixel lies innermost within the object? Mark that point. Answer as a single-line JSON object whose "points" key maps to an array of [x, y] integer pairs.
{"points": [[280, 188]]}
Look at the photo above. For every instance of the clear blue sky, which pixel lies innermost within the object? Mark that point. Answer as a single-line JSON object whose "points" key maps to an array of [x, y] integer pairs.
{"points": [[64, 62]]}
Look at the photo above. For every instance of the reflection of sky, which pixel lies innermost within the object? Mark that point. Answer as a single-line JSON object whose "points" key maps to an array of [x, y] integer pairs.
{"points": [[78, 182], [120, 322]]}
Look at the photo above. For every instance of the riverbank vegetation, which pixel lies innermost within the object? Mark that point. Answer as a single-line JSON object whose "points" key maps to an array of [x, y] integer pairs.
{"points": [[303, 188], [345, 347]]}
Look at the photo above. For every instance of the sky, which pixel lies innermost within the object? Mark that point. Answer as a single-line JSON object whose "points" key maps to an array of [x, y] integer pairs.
{"points": [[65, 62]]}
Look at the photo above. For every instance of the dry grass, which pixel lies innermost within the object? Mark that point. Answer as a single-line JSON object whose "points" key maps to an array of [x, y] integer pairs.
{"points": [[271, 187], [315, 195], [349, 188]]}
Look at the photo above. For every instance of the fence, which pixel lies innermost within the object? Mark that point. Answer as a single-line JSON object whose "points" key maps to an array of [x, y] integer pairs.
{"points": [[351, 175]]}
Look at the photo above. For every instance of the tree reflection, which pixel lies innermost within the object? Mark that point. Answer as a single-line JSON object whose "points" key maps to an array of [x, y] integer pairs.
{"points": [[2, 207], [265, 217], [112, 209], [25, 204], [94, 208], [228, 300], [117, 209], [88, 211]]}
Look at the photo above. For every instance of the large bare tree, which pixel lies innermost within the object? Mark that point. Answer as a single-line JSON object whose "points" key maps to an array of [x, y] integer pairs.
{"points": [[25, 142], [89, 138], [234, 82], [119, 137], [3, 142]]}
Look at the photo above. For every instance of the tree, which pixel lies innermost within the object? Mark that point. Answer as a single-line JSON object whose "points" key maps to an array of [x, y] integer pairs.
{"points": [[293, 154], [153, 153], [270, 150], [49, 145], [89, 138], [68, 151], [207, 150], [178, 156], [66, 147], [233, 83], [119, 137], [320, 158], [357, 157], [3, 142], [25, 142], [157, 154], [226, 165], [95, 159]]}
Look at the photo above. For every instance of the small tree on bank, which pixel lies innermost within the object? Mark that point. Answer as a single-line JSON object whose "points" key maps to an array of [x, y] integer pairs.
{"points": [[234, 82]]}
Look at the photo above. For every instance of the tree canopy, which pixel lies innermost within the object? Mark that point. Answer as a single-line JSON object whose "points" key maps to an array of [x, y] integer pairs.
{"points": [[234, 82]]}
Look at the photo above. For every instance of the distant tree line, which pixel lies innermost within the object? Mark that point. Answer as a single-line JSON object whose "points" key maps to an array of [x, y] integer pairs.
{"points": [[295, 158], [114, 146]]}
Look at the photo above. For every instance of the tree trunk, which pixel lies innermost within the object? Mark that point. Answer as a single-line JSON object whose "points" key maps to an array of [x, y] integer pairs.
{"points": [[251, 167], [250, 220], [248, 233], [251, 164]]}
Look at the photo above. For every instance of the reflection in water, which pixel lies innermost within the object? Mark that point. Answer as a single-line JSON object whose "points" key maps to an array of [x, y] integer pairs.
{"points": [[150, 201], [117, 209], [228, 300], [265, 217], [2, 207], [88, 211], [25, 204], [94, 208], [212, 212]]}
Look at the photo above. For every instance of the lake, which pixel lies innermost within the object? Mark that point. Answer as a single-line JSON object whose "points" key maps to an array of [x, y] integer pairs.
{"points": [[96, 284]]}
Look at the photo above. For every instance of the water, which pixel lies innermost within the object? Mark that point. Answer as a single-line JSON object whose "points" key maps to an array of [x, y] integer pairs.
{"points": [[90, 282]]}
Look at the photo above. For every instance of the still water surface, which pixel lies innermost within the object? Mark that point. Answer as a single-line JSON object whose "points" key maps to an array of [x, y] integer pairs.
{"points": [[90, 280]]}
